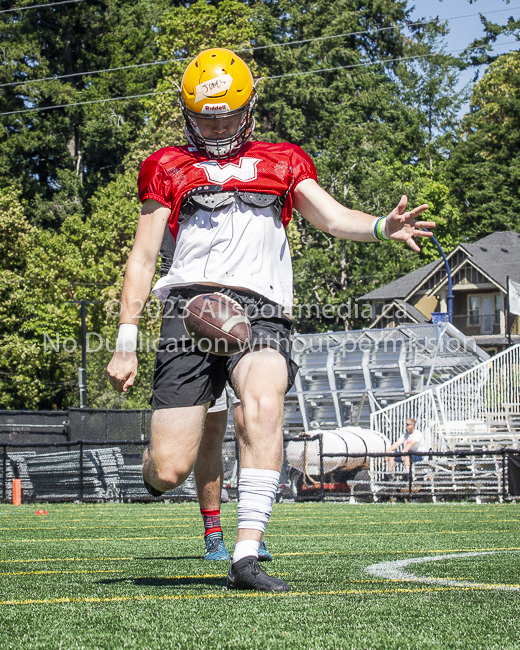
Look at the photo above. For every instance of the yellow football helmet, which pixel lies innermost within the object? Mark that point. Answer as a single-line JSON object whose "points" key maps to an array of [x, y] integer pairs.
{"points": [[218, 101]]}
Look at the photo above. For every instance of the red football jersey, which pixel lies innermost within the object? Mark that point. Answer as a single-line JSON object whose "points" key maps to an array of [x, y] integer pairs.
{"points": [[168, 174]]}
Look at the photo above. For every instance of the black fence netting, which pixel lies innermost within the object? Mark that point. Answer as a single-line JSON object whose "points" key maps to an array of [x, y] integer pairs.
{"points": [[96, 455], [34, 426], [513, 474], [111, 471], [109, 424]]}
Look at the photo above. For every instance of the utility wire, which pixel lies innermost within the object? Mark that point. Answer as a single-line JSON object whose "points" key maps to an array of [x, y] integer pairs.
{"points": [[92, 101], [251, 49], [374, 31], [84, 74], [281, 76], [245, 49], [50, 4], [368, 64]]}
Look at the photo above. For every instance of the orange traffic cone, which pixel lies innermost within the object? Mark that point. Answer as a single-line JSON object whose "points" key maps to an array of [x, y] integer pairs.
{"points": [[41, 512], [17, 492]]}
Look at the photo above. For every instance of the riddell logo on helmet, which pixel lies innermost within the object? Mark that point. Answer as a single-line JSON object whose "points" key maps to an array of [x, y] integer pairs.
{"points": [[215, 108]]}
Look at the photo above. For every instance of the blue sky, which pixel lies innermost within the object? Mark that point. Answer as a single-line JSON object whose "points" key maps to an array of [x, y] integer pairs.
{"points": [[464, 30]]}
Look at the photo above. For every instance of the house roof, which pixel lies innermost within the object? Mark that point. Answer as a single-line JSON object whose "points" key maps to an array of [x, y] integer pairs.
{"points": [[401, 287], [497, 255], [507, 238], [412, 312]]}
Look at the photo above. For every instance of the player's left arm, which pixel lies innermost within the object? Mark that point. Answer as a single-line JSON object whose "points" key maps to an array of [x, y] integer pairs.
{"points": [[323, 211]]}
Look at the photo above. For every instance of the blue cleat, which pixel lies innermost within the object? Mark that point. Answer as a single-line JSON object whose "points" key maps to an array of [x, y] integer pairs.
{"points": [[263, 553], [215, 549]]}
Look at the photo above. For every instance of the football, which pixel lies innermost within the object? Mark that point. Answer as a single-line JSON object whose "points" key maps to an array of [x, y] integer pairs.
{"points": [[217, 324]]}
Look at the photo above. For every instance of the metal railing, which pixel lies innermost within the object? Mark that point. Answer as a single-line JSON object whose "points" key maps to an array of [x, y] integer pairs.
{"points": [[82, 470], [480, 403], [438, 475], [480, 394], [422, 408]]}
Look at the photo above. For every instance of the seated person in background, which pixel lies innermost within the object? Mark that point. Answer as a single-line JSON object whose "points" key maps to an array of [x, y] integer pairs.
{"points": [[413, 441]]}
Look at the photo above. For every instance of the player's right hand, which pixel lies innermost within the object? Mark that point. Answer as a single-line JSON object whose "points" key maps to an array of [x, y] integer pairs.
{"points": [[122, 370]]}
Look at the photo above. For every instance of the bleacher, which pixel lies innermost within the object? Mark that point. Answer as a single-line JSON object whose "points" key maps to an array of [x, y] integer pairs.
{"points": [[447, 478], [476, 411], [86, 475], [346, 376]]}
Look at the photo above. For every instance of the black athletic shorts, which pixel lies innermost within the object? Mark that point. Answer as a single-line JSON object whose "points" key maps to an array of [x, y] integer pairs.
{"points": [[186, 376]]}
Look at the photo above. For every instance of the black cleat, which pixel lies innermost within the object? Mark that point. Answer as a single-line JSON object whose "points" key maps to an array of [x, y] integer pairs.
{"points": [[247, 574], [152, 490]]}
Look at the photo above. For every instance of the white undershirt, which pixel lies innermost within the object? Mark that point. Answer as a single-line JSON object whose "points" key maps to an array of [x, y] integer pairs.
{"points": [[417, 437], [235, 246]]}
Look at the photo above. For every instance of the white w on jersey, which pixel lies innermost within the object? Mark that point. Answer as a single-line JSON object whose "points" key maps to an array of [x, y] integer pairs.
{"points": [[221, 173], [236, 246]]}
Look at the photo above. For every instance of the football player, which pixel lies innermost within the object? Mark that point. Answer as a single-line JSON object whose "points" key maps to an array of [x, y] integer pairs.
{"points": [[227, 200], [209, 470]]}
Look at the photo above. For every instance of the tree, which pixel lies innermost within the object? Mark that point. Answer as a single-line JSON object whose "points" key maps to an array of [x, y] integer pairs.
{"points": [[358, 119], [484, 169], [61, 156], [68, 200], [184, 33], [84, 255]]}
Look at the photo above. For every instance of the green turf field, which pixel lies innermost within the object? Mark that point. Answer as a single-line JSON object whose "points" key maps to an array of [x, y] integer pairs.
{"points": [[131, 576]]}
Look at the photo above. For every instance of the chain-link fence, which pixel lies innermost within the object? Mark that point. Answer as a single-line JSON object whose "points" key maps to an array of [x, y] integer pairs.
{"points": [[88, 470], [318, 472]]}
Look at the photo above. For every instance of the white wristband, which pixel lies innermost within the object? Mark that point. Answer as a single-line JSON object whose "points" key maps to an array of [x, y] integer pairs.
{"points": [[374, 231], [126, 338]]}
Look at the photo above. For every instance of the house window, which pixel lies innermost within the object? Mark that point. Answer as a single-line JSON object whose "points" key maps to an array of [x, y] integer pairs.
{"points": [[498, 308], [484, 312], [474, 310]]}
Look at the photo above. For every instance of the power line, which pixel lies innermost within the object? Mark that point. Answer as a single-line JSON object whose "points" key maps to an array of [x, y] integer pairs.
{"points": [[368, 64], [252, 49], [281, 76], [50, 4], [84, 74], [245, 49], [374, 31], [92, 101]]}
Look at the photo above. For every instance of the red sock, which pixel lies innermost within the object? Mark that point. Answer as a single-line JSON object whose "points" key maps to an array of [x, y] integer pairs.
{"points": [[211, 520]]}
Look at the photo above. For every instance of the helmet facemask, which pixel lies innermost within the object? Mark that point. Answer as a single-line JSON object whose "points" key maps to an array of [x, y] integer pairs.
{"points": [[216, 147]]}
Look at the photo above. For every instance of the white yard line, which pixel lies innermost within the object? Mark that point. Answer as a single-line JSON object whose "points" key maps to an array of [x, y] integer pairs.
{"points": [[395, 571]]}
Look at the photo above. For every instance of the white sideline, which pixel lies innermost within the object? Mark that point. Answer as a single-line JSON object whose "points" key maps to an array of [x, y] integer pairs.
{"points": [[394, 571]]}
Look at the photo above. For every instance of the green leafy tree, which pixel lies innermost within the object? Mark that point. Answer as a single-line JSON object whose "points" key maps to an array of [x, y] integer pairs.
{"points": [[84, 259], [366, 132], [62, 156], [44, 274], [484, 168], [184, 33], [371, 138]]}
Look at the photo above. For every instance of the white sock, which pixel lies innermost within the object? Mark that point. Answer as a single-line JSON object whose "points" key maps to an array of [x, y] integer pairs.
{"points": [[256, 493], [245, 548]]}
